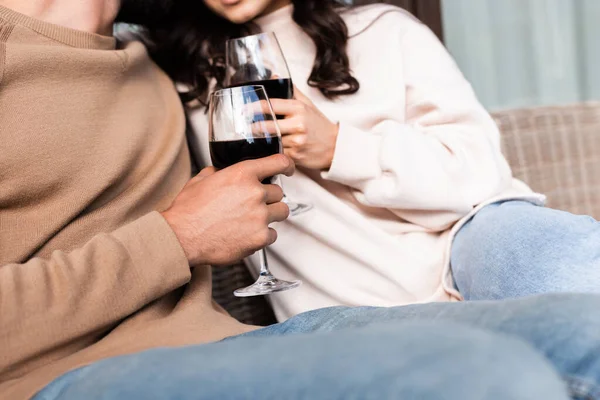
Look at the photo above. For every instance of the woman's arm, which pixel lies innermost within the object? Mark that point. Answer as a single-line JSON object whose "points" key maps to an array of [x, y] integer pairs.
{"points": [[444, 160]]}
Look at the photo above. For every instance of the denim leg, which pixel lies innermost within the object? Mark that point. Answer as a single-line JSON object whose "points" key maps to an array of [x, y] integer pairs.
{"points": [[565, 328], [516, 249], [379, 360]]}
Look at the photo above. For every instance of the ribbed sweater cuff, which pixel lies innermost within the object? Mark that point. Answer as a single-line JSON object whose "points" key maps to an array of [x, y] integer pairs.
{"points": [[154, 248]]}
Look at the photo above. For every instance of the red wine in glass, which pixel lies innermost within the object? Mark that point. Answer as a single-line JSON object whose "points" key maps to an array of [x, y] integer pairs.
{"points": [[226, 153], [240, 129], [275, 88], [258, 60]]}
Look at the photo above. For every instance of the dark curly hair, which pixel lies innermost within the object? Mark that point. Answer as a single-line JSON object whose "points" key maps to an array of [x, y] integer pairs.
{"points": [[188, 43]]}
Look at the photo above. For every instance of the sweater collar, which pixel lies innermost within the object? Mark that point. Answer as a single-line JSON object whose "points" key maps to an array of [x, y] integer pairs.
{"points": [[68, 36]]}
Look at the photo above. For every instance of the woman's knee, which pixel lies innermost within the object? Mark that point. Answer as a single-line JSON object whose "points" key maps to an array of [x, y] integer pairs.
{"points": [[515, 249], [518, 226], [483, 248], [498, 228]]}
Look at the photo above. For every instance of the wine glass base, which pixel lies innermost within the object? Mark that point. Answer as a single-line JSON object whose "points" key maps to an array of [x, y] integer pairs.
{"points": [[298, 208], [266, 285]]}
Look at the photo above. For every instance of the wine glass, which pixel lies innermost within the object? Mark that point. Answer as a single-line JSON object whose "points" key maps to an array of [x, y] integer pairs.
{"points": [[258, 60], [242, 127]]}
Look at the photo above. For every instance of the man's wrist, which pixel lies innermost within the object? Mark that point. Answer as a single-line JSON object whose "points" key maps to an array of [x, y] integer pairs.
{"points": [[175, 224]]}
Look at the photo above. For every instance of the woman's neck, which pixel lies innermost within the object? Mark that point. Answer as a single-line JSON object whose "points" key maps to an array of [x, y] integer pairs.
{"points": [[277, 18], [274, 6]]}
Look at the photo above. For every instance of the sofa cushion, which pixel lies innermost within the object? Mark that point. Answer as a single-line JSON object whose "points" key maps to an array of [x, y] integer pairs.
{"points": [[556, 150]]}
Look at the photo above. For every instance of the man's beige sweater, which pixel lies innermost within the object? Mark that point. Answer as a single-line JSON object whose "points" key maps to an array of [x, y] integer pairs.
{"points": [[92, 146]]}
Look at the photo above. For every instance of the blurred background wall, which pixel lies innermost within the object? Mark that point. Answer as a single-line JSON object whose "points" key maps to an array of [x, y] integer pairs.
{"points": [[519, 53]]}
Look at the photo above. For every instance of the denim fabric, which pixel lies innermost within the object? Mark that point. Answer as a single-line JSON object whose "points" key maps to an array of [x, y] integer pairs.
{"points": [[514, 349], [515, 249]]}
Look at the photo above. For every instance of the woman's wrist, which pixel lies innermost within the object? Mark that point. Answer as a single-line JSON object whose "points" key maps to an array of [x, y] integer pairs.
{"points": [[331, 153]]}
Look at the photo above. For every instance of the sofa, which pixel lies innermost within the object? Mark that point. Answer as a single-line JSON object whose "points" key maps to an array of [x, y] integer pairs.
{"points": [[556, 150]]}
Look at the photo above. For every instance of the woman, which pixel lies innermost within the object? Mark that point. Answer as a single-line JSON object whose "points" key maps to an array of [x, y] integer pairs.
{"points": [[401, 162]]}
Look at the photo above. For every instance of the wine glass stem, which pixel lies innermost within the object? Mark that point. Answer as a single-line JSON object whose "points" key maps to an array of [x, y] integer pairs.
{"points": [[264, 265], [278, 181]]}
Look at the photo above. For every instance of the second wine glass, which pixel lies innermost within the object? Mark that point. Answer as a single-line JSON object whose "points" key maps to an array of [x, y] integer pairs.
{"points": [[242, 127], [258, 60]]}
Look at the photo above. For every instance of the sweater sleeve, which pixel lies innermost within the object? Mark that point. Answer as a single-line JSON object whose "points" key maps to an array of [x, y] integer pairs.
{"points": [[442, 161], [44, 303]]}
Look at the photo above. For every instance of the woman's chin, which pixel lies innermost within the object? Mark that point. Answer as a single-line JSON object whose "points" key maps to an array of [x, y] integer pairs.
{"points": [[240, 18], [238, 11]]}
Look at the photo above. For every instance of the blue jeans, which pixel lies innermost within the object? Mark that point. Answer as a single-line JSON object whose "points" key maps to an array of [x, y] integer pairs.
{"points": [[543, 347], [516, 249]]}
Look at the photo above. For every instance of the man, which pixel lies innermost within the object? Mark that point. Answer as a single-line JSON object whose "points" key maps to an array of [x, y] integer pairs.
{"points": [[104, 285]]}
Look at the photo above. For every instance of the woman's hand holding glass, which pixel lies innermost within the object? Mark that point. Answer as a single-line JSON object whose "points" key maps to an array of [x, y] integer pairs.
{"points": [[308, 136]]}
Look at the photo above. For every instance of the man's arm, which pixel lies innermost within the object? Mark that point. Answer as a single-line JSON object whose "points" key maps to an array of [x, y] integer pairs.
{"points": [[45, 304], [218, 218]]}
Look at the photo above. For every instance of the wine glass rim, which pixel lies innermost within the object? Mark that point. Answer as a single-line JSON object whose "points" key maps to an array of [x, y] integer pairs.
{"points": [[244, 88], [270, 33]]}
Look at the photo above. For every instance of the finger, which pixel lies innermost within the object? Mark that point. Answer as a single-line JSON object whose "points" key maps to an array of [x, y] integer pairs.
{"points": [[261, 128], [267, 167], [272, 237], [273, 194], [278, 212], [282, 126], [286, 107], [290, 153], [293, 141], [257, 107], [279, 107]]}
